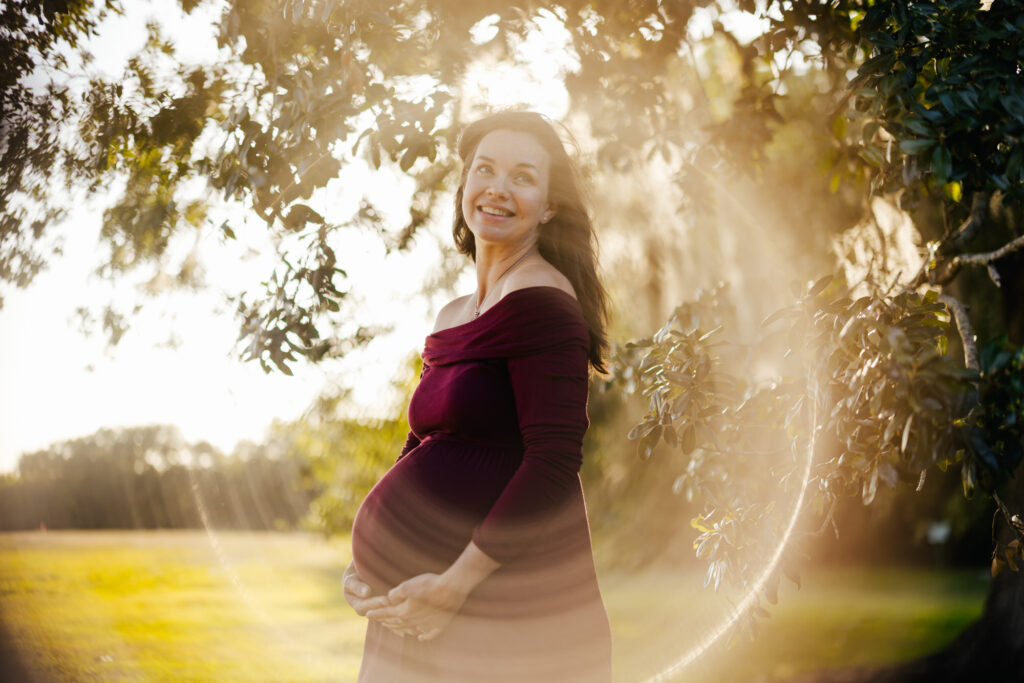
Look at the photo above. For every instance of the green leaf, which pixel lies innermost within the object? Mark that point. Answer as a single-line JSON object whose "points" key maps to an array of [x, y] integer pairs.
{"points": [[916, 146], [870, 128], [947, 101], [969, 477], [709, 333], [870, 487], [689, 439], [888, 474], [918, 126], [790, 311], [872, 154], [407, 159], [819, 286], [643, 428], [942, 163], [1013, 104], [906, 434], [878, 65]]}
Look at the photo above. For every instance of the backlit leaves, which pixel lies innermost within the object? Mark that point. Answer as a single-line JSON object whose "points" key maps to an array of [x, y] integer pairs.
{"points": [[890, 404]]}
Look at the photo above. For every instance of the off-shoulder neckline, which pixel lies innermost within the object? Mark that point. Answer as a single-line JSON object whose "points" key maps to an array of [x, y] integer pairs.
{"points": [[498, 303]]}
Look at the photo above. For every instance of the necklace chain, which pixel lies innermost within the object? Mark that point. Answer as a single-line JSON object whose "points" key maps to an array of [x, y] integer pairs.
{"points": [[519, 260]]}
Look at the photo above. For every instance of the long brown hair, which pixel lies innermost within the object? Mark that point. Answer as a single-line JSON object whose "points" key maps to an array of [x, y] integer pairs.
{"points": [[567, 241]]}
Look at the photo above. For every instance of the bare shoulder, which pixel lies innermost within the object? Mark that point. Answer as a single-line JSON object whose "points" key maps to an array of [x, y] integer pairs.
{"points": [[451, 313], [537, 273]]}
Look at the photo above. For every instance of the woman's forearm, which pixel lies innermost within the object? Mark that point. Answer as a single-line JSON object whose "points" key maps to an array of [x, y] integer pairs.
{"points": [[472, 567]]}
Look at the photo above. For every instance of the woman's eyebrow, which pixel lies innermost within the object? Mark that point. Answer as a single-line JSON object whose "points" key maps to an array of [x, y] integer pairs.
{"points": [[526, 164]]}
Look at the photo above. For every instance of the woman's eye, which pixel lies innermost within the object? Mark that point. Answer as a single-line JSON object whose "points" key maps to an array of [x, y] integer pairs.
{"points": [[483, 168], [524, 178]]}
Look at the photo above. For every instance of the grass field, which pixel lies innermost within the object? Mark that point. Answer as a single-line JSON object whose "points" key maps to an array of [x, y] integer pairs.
{"points": [[188, 606]]}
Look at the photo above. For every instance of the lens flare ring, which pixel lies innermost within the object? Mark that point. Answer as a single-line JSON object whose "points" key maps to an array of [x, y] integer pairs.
{"points": [[748, 600]]}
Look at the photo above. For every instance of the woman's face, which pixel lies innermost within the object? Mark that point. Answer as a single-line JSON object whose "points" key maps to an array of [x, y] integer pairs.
{"points": [[505, 195]]}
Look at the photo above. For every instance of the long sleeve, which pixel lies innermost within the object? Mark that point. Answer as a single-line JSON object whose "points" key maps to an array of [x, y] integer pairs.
{"points": [[550, 388]]}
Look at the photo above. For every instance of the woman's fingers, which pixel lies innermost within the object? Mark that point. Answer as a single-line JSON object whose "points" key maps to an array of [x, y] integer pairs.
{"points": [[366, 606], [421, 633], [401, 628], [352, 584], [386, 612], [417, 607], [429, 634], [362, 606]]}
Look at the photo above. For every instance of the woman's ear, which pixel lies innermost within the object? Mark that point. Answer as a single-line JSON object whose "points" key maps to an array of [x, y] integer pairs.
{"points": [[550, 213]]}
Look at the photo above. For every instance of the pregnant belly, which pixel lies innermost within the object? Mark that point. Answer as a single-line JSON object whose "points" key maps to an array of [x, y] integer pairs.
{"points": [[421, 514]]}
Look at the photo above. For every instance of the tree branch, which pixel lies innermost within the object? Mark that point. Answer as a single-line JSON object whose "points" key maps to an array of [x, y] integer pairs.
{"points": [[963, 325], [969, 228], [988, 258], [954, 241], [1013, 520]]}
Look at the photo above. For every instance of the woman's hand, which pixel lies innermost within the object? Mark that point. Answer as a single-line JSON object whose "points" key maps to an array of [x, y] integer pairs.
{"points": [[421, 606], [357, 592]]}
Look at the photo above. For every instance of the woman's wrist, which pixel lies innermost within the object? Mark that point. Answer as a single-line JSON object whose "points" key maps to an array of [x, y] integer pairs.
{"points": [[466, 573]]}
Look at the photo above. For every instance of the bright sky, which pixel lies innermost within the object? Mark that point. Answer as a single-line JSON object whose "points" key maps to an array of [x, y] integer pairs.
{"points": [[57, 384]]}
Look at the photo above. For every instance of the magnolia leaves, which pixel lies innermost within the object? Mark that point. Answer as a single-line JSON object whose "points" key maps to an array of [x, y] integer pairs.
{"points": [[938, 113], [890, 404]]}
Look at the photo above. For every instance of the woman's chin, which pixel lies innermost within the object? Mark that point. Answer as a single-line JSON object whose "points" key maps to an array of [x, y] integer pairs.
{"points": [[508, 234]]}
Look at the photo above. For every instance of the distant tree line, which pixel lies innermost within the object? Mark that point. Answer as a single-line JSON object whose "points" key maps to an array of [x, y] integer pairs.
{"points": [[150, 478], [313, 472]]}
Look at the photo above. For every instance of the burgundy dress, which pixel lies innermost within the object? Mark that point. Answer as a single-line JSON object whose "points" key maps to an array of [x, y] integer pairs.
{"points": [[493, 456]]}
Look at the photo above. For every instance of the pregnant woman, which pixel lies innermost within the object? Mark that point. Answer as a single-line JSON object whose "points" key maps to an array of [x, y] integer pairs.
{"points": [[472, 555]]}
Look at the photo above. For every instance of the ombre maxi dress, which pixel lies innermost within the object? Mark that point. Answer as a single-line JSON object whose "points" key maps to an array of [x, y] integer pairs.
{"points": [[493, 456]]}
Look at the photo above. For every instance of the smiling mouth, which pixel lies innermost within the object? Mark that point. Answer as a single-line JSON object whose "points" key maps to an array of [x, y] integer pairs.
{"points": [[493, 211]]}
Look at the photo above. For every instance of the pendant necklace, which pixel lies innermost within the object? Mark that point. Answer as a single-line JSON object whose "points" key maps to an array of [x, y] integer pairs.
{"points": [[503, 274]]}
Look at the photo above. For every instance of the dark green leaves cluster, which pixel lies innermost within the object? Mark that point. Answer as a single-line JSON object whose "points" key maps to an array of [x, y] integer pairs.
{"points": [[941, 98], [996, 423]]}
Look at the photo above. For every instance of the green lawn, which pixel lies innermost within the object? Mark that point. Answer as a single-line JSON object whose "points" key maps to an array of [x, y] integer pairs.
{"points": [[172, 606]]}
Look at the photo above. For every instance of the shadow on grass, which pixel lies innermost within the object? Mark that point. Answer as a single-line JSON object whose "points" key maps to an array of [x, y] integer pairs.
{"points": [[12, 668]]}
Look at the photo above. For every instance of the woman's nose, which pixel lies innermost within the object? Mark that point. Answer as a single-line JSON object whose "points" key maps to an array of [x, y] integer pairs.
{"points": [[497, 187]]}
